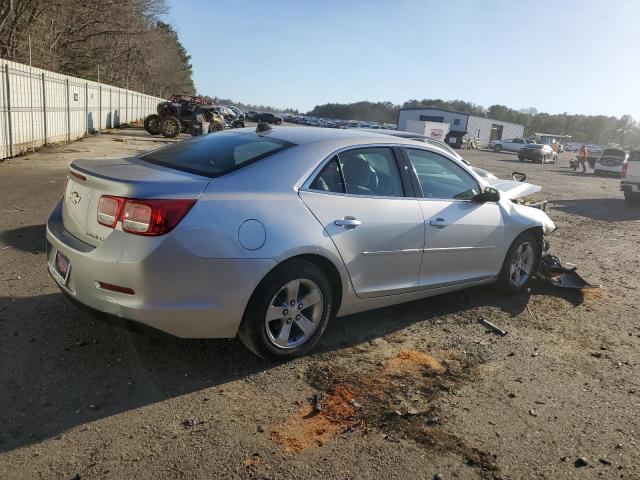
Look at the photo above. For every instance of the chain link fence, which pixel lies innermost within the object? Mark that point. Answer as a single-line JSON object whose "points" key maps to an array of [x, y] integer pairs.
{"points": [[38, 107]]}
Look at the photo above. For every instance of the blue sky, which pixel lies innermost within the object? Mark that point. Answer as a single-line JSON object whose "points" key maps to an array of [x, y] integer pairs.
{"points": [[556, 56]]}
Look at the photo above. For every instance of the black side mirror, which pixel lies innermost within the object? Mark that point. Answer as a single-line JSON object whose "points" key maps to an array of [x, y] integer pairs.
{"points": [[488, 195], [518, 176]]}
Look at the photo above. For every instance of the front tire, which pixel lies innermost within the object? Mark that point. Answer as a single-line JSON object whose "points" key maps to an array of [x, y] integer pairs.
{"points": [[497, 148], [170, 127], [288, 312], [520, 264]]}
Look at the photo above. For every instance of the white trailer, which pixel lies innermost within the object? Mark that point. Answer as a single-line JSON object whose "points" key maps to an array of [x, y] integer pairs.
{"points": [[430, 129]]}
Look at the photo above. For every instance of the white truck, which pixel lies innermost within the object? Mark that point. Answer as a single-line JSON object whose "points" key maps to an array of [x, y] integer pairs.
{"points": [[435, 130], [630, 183]]}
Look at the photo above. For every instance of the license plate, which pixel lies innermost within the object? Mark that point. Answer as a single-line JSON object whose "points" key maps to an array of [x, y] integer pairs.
{"points": [[62, 266]]}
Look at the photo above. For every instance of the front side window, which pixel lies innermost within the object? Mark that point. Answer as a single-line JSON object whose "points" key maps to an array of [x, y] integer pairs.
{"points": [[441, 178]]}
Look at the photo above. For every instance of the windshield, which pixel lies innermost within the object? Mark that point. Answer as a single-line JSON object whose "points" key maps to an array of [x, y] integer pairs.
{"points": [[216, 154]]}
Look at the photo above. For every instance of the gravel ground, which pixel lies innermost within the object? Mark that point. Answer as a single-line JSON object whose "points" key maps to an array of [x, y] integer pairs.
{"points": [[412, 391]]}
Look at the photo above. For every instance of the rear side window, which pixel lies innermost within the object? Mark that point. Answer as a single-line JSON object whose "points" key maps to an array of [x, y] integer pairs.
{"points": [[371, 172], [329, 179], [217, 153]]}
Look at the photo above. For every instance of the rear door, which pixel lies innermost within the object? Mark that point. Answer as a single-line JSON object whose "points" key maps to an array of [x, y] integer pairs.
{"points": [[359, 198], [463, 239]]}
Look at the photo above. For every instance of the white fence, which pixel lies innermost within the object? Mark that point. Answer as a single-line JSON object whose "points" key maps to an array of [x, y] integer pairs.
{"points": [[39, 107]]}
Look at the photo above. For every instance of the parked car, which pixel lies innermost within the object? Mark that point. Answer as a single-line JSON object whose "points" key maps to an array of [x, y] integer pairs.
{"points": [[630, 183], [269, 234], [268, 118], [508, 145], [251, 115], [538, 152], [611, 162]]}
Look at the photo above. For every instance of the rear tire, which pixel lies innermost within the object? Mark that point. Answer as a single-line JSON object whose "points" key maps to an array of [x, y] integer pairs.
{"points": [[631, 198], [170, 127], [281, 322], [520, 264], [151, 124], [521, 158]]}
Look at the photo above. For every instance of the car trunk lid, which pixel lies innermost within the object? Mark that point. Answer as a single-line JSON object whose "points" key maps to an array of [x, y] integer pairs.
{"points": [[612, 157], [130, 178]]}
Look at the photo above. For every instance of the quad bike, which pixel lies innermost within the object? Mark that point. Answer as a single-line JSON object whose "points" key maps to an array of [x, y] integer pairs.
{"points": [[471, 143], [183, 114]]}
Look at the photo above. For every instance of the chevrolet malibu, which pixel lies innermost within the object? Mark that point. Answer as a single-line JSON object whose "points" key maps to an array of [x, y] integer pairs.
{"points": [[268, 234]]}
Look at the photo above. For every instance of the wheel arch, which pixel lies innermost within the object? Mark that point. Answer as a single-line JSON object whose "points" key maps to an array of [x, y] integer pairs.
{"points": [[537, 232], [323, 263]]}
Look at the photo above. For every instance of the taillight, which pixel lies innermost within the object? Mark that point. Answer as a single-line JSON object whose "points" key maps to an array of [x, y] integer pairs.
{"points": [[109, 210], [623, 173], [142, 217]]}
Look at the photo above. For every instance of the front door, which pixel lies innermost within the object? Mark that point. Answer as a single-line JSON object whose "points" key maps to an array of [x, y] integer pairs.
{"points": [[462, 238], [359, 199]]}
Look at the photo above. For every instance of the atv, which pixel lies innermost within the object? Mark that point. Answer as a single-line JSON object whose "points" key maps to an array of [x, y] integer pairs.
{"points": [[183, 114]]}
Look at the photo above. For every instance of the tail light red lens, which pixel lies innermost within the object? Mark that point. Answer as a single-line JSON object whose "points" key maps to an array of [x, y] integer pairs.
{"points": [[143, 217], [623, 173], [109, 210]]}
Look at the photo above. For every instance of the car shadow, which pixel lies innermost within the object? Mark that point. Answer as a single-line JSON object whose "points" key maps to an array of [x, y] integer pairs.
{"points": [[354, 329], [604, 209], [31, 238], [62, 368]]}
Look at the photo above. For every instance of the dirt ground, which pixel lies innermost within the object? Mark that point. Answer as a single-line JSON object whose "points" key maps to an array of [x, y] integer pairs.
{"points": [[412, 391]]}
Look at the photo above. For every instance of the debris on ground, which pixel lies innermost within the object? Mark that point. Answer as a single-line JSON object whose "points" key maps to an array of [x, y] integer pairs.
{"points": [[552, 271], [398, 398], [581, 462], [492, 327]]}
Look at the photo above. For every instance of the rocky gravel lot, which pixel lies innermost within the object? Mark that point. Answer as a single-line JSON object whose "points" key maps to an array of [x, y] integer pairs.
{"points": [[420, 390]]}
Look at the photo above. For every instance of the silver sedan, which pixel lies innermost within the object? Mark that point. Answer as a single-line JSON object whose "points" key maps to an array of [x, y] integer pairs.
{"points": [[267, 234]]}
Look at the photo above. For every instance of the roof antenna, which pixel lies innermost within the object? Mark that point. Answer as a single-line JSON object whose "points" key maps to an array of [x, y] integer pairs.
{"points": [[263, 127]]}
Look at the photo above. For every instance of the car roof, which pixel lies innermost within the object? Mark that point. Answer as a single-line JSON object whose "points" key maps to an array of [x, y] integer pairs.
{"points": [[306, 135]]}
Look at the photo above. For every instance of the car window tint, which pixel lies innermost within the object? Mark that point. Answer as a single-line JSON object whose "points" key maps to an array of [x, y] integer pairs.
{"points": [[329, 178], [371, 172], [441, 177], [217, 153]]}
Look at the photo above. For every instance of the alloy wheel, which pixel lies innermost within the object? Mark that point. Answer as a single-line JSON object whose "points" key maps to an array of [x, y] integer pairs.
{"points": [[294, 313], [521, 264]]}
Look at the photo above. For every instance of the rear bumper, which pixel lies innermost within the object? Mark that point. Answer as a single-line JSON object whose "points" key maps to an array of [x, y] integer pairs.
{"points": [[630, 187], [175, 291], [615, 169], [531, 154]]}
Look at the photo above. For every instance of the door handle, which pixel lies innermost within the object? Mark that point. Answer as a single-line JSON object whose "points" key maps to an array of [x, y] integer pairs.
{"points": [[439, 223], [348, 222]]}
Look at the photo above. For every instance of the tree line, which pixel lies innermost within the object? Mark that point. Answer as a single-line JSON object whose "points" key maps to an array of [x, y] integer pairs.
{"points": [[598, 129], [123, 42]]}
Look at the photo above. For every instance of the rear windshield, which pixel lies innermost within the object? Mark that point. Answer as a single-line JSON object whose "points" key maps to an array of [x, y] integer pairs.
{"points": [[613, 152], [217, 153]]}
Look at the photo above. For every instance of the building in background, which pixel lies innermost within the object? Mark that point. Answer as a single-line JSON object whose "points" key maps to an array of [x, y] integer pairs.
{"points": [[461, 124]]}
